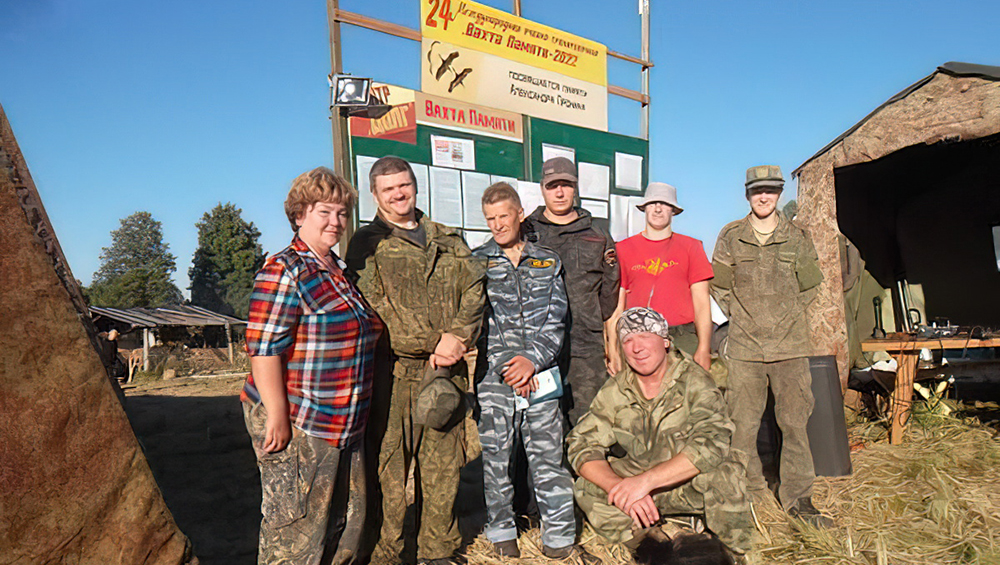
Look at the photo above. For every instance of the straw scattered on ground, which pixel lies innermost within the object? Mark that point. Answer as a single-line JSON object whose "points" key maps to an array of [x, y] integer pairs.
{"points": [[934, 500]]}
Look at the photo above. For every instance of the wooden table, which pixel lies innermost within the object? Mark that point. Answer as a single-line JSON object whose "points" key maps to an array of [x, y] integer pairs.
{"points": [[906, 351]]}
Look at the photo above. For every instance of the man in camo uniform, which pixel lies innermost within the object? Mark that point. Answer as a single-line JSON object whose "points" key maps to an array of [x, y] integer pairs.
{"points": [[766, 272], [524, 327], [423, 281], [667, 420]]}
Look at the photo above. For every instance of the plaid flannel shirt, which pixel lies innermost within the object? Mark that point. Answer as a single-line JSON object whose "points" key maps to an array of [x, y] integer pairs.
{"points": [[325, 333]]}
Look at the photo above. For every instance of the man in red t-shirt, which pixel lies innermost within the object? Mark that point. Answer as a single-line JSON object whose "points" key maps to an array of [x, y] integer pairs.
{"points": [[669, 273]]}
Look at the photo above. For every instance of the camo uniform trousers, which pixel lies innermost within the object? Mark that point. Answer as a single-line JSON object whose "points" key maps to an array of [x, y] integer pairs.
{"points": [[305, 498], [791, 384], [685, 338], [438, 459], [719, 494], [584, 377], [540, 427]]}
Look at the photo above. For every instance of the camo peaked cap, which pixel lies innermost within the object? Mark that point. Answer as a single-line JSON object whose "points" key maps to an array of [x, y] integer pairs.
{"points": [[641, 319]]}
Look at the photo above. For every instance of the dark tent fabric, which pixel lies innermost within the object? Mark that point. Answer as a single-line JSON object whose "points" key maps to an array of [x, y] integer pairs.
{"points": [[924, 214]]}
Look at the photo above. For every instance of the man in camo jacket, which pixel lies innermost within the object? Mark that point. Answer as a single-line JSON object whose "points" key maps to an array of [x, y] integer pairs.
{"points": [[656, 443]]}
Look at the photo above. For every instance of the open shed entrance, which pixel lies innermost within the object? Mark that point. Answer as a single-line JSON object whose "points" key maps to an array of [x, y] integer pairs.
{"points": [[926, 214]]}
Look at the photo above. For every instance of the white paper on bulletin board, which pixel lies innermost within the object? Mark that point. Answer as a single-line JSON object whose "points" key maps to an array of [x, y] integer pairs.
{"points": [[366, 202], [446, 196], [453, 152], [626, 219], [509, 180], [636, 217], [473, 187], [597, 208], [628, 171], [531, 196], [423, 187], [477, 238], [595, 181], [550, 151]]}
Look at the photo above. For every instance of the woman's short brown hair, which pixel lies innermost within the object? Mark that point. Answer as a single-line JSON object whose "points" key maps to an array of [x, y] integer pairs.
{"points": [[318, 185]]}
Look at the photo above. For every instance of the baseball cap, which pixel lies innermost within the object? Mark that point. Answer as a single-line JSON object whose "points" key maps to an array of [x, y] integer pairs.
{"points": [[660, 192], [437, 403], [558, 168]]}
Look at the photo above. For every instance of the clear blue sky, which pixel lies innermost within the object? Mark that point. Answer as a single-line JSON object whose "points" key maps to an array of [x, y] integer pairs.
{"points": [[172, 107]]}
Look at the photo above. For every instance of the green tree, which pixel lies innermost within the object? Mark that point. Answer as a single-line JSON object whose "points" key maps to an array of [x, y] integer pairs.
{"points": [[226, 261], [135, 270], [790, 210]]}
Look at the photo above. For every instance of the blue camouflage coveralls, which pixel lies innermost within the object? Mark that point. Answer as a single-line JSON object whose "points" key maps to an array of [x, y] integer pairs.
{"points": [[525, 315]]}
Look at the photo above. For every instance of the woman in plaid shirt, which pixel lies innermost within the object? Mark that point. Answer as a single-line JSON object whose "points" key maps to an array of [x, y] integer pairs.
{"points": [[311, 339]]}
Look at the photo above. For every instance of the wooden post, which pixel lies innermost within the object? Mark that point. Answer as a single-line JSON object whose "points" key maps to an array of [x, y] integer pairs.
{"points": [[229, 341], [341, 139], [644, 74], [146, 338], [902, 394]]}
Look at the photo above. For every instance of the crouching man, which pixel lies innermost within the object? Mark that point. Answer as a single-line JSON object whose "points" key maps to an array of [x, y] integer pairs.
{"points": [[656, 443]]}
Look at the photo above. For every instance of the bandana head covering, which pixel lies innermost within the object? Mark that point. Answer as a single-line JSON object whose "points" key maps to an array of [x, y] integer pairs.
{"points": [[640, 319]]}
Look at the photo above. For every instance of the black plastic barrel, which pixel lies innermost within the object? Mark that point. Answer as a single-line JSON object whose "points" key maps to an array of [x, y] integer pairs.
{"points": [[827, 428]]}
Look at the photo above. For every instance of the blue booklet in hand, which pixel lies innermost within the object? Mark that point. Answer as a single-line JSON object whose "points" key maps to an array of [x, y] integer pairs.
{"points": [[550, 386]]}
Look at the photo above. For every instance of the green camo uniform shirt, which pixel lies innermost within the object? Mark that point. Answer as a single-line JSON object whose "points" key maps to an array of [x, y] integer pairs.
{"points": [[764, 290], [688, 416], [446, 296]]}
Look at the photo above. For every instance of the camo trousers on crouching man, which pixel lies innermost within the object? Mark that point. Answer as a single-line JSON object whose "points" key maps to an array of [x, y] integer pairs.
{"points": [[719, 495], [311, 490]]}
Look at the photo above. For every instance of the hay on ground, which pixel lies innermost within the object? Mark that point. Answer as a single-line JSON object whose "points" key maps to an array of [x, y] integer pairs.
{"points": [[934, 500]]}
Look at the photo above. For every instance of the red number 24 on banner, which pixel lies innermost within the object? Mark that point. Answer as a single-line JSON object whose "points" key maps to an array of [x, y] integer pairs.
{"points": [[442, 9]]}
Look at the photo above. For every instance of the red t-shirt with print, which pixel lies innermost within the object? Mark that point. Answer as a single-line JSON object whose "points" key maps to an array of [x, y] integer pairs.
{"points": [[659, 274]]}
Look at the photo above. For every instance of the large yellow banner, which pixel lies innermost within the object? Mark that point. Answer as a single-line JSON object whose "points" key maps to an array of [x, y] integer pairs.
{"points": [[475, 26], [479, 78]]}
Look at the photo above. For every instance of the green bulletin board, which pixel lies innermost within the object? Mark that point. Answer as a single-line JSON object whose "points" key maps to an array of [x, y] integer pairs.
{"points": [[505, 158], [592, 146], [493, 156]]}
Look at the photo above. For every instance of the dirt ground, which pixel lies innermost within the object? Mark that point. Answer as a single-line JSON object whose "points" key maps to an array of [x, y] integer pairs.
{"points": [[193, 435], [192, 432]]}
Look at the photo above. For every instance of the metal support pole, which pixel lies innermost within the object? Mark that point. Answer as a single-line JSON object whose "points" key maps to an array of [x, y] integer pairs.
{"points": [[644, 87], [341, 137], [517, 8], [229, 342]]}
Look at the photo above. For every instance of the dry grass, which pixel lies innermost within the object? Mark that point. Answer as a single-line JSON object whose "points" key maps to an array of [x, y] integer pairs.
{"points": [[530, 542], [934, 500]]}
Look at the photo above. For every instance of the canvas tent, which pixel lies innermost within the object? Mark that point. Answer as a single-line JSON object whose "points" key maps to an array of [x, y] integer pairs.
{"points": [[915, 185], [74, 484]]}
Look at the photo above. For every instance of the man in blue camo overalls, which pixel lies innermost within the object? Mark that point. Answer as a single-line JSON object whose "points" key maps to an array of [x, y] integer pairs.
{"points": [[524, 328]]}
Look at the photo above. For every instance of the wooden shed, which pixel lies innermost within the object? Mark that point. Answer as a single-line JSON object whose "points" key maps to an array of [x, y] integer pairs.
{"points": [[151, 320], [915, 186]]}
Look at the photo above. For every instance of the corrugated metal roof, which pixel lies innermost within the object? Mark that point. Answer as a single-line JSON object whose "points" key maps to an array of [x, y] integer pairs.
{"points": [[951, 68], [165, 316]]}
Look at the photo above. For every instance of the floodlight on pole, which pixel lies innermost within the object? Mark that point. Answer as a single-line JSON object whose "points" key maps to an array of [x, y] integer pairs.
{"points": [[351, 95], [348, 91]]}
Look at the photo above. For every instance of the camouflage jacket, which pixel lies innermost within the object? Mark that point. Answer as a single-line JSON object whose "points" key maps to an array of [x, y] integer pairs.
{"points": [[764, 290], [419, 293], [591, 274], [688, 416], [525, 315]]}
